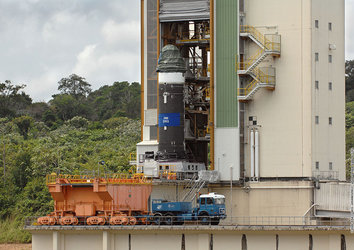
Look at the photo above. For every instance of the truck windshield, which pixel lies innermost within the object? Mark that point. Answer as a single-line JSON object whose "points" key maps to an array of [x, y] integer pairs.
{"points": [[220, 201]]}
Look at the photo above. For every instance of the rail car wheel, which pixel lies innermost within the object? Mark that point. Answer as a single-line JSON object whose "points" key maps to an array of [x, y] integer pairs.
{"points": [[132, 221], [169, 220], [125, 220]]}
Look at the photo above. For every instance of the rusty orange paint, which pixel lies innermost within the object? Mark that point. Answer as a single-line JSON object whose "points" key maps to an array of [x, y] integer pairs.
{"points": [[97, 202]]}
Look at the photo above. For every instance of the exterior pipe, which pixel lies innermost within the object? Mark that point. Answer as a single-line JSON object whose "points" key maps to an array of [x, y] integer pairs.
{"points": [[256, 153], [212, 90], [142, 51], [158, 55], [282, 187], [252, 153], [308, 210]]}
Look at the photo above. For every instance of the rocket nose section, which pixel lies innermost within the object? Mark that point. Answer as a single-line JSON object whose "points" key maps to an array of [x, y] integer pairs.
{"points": [[171, 60]]}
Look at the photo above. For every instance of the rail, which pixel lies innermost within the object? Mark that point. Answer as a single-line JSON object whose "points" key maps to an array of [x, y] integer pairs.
{"points": [[120, 178], [244, 65], [132, 158], [259, 77], [326, 175], [268, 44], [245, 91], [192, 36], [251, 221]]}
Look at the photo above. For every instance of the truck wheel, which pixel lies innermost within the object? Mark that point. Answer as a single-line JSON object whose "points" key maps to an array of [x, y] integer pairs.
{"points": [[204, 219], [158, 220], [169, 220], [215, 221]]}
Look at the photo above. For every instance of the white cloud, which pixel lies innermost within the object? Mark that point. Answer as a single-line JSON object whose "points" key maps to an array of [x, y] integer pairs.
{"points": [[39, 86], [121, 33], [46, 40]]}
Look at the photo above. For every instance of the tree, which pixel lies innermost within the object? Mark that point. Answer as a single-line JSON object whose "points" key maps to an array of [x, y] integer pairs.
{"points": [[75, 86], [24, 123], [349, 80], [66, 106], [121, 99], [12, 101]]}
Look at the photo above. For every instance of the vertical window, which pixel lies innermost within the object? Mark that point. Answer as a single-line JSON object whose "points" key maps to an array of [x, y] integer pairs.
{"points": [[317, 165], [316, 85], [330, 120], [330, 85], [330, 58], [317, 57], [316, 24], [153, 132], [329, 26], [330, 165], [317, 119]]}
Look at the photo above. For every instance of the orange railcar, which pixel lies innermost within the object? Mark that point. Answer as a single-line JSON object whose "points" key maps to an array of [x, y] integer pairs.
{"points": [[81, 199]]}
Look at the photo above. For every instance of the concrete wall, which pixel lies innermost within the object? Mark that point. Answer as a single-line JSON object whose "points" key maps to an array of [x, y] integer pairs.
{"points": [[284, 114], [328, 141], [290, 142], [267, 199], [190, 240]]}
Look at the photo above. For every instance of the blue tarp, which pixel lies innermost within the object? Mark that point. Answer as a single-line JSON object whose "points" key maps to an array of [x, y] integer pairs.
{"points": [[169, 120]]}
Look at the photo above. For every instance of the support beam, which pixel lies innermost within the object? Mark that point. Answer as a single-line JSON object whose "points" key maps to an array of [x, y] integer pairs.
{"points": [[56, 240]]}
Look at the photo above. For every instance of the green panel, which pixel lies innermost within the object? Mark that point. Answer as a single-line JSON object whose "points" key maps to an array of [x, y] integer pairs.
{"points": [[226, 26]]}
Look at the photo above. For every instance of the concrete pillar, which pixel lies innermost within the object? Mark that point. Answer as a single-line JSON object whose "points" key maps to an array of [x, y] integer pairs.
{"points": [[106, 240], [56, 240]]}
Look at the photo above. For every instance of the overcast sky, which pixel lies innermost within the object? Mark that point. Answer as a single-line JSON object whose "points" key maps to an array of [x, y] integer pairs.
{"points": [[43, 41]]}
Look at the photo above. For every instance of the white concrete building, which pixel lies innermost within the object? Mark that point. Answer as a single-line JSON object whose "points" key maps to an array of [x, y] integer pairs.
{"points": [[274, 71]]}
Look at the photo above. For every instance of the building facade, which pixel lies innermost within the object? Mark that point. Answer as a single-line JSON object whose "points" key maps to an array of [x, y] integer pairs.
{"points": [[264, 95]]}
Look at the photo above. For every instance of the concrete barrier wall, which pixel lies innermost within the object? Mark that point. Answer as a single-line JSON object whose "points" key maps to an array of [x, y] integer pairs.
{"points": [[190, 240]]}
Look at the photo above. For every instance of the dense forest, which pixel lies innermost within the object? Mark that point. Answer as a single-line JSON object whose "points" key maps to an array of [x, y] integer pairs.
{"points": [[73, 132]]}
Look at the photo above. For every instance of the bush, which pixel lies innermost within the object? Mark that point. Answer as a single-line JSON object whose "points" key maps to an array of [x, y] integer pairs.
{"points": [[78, 122]]}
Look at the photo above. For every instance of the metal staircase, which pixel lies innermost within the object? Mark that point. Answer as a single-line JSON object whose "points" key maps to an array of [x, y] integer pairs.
{"points": [[269, 45], [194, 186], [198, 182]]}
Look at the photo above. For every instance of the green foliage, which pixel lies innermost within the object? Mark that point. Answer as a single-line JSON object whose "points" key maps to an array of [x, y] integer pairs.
{"points": [[75, 146], [12, 101], [71, 133], [349, 80], [349, 135], [75, 86], [24, 123], [12, 231], [121, 99], [78, 122]]}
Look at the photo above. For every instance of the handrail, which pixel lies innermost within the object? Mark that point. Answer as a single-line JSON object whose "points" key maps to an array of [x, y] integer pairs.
{"points": [[270, 222], [260, 76], [247, 63], [245, 91], [265, 42], [120, 178], [132, 156]]}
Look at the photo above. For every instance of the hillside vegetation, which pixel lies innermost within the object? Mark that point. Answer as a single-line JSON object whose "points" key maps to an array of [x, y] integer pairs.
{"points": [[71, 133]]}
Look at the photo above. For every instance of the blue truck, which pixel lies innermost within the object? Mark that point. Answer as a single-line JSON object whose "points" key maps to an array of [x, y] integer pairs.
{"points": [[210, 209]]}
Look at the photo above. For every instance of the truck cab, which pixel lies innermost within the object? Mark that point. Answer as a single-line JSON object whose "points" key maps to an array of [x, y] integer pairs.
{"points": [[211, 208]]}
